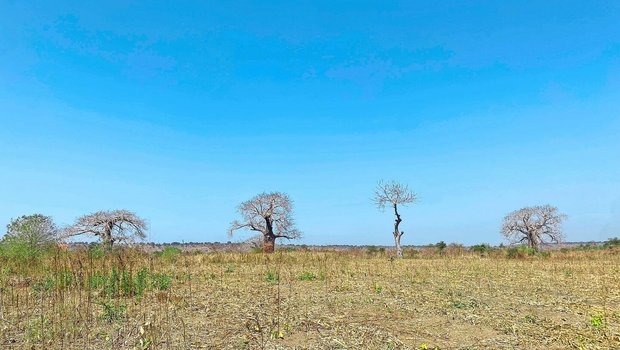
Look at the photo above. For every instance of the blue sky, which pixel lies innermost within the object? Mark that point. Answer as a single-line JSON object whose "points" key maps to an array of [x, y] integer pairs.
{"points": [[181, 112]]}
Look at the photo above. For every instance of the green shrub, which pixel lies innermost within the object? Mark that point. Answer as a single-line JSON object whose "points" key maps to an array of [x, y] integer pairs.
{"points": [[612, 242], [140, 281], [110, 288], [482, 249], [21, 253], [441, 245], [36, 231], [126, 283], [520, 252], [170, 254]]}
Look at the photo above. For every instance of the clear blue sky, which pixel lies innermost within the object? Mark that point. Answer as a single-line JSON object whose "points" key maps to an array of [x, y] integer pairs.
{"points": [[180, 112]]}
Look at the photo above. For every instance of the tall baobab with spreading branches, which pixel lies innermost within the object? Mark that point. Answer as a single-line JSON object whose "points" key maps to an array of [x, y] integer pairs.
{"points": [[116, 226], [393, 194], [534, 226], [270, 214]]}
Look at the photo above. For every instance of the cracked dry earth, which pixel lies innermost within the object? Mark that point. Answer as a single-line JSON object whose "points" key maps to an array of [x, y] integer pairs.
{"points": [[319, 300]]}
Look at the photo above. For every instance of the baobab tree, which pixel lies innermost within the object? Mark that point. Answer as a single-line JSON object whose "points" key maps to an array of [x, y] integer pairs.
{"points": [[534, 225], [393, 194], [115, 226], [270, 214]]}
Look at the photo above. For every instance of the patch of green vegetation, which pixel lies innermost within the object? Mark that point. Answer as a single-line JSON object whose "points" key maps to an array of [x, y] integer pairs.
{"points": [[612, 242], [161, 281], [170, 254], [122, 283], [482, 249], [520, 252], [272, 277], [111, 312], [597, 321], [44, 285], [140, 281], [307, 276], [21, 253]]}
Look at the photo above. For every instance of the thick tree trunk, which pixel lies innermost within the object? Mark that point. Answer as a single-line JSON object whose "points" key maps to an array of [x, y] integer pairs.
{"points": [[107, 239], [269, 238], [399, 249], [269, 243], [532, 242]]}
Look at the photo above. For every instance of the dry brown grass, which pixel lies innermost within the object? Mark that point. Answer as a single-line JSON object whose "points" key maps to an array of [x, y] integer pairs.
{"points": [[316, 300]]}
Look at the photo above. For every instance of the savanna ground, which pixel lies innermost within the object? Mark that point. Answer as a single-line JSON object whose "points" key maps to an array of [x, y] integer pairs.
{"points": [[357, 299]]}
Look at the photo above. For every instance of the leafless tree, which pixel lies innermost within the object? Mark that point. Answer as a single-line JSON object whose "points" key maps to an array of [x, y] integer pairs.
{"points": [[534, 225], [393, 194], [116, 226], [270, 214]]}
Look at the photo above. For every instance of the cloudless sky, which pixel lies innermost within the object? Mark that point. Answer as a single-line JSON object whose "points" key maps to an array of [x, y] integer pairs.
{"points": [[181, 110]]}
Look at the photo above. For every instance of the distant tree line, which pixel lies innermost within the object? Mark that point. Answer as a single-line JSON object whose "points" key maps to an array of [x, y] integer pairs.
{"points": [[271, 216]]}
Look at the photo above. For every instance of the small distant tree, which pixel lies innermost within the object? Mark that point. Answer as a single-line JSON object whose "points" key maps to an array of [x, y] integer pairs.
{"points": [[534, 226], [393, 194], [270, 214], [115, 226], [35, 231]]}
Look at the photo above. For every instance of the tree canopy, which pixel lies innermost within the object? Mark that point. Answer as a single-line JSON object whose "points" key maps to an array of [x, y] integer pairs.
{"points": [[534, 225], [115, 226], [271, 214]]}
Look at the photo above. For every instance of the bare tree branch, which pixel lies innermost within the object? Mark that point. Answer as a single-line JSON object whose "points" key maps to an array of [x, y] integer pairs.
{"points": [[533, 225], [393, 194], [120, 226], [271, 214]]}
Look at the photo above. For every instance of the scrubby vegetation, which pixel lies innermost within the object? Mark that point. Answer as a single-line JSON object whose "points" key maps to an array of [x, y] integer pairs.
{"points": [[448, 298]]}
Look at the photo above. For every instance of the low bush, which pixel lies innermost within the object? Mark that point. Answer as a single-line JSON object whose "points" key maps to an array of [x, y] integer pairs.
{"points": [[612, 242], [482, 249], [170, 254], [520, 252], [21, 253]]}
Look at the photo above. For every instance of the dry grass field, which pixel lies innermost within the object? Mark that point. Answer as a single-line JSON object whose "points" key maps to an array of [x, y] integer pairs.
{"points": [[312, 300]]}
